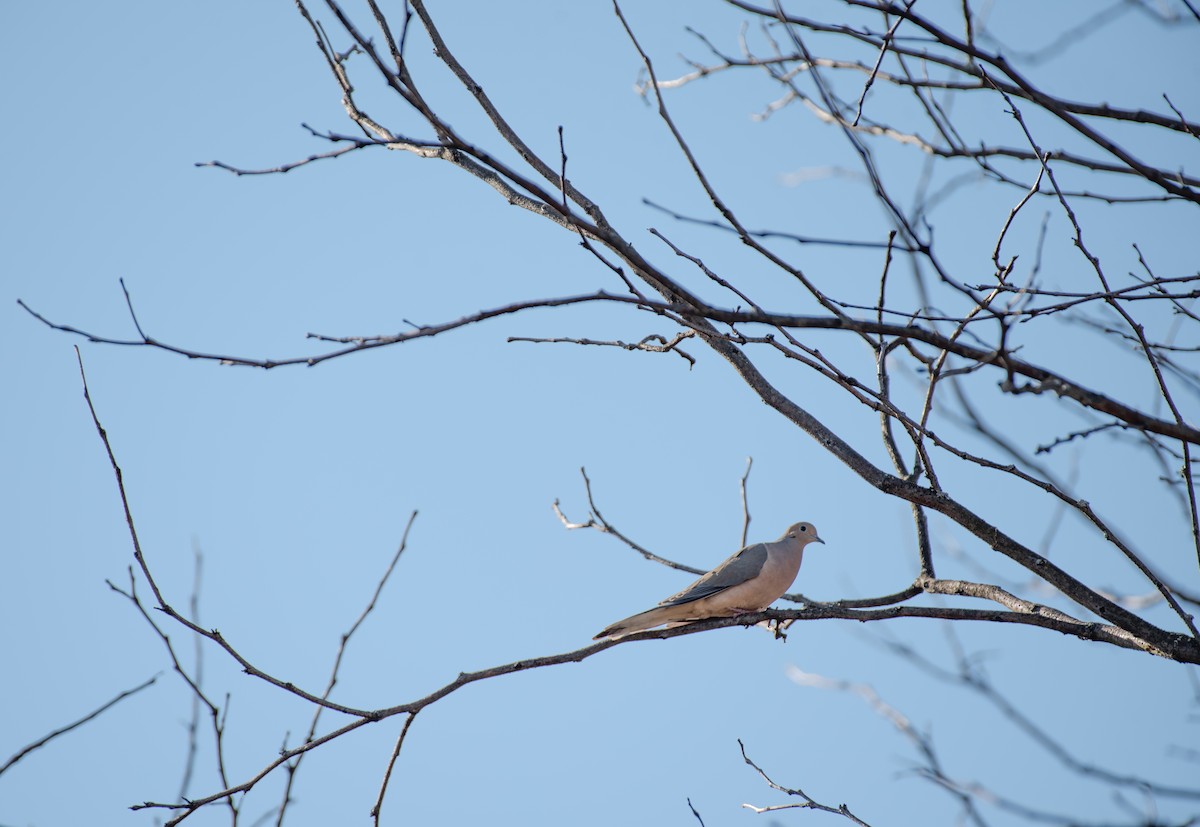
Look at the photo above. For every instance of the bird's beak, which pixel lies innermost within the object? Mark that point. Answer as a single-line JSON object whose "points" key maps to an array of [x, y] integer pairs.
{"points": [[817, 539]]}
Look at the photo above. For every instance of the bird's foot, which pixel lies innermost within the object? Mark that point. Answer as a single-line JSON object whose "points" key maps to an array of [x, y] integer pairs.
{"points": [[775, 627]]}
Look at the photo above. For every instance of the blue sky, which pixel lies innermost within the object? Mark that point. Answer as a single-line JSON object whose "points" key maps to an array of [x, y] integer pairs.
{"points": [[296, 484]]}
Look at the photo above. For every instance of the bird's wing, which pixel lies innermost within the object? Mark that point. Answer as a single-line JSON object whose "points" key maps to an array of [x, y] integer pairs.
{"points": [[743, 566]]}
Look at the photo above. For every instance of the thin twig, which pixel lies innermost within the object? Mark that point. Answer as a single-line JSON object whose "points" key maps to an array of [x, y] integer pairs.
{"points": [[294, 767], [808, 804], [746, 502], [45, 739], [377, 809]]}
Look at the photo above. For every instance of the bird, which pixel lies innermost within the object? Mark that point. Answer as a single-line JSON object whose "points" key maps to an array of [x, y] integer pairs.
{"points": [[749, 581]]}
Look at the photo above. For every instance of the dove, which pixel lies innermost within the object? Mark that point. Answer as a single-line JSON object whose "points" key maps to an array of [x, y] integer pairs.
{"points": [[749, 581]]}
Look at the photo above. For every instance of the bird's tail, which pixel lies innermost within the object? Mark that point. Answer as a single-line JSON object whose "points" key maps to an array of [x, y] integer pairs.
{"points": [[638, 622]]}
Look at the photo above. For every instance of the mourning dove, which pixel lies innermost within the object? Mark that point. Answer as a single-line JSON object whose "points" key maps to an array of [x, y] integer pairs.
{"points": [[749, 581]]}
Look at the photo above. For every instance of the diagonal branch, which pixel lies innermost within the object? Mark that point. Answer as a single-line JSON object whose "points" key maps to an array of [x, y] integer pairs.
{"points": [[63, 730]]}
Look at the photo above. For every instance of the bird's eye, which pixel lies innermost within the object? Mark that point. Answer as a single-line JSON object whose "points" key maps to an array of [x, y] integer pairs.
{"points": [[804, 528]]}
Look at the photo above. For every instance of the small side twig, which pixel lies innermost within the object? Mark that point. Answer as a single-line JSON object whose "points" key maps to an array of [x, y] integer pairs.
{"points": [[648, 344], [746, 502], [193, 728], [808, 804], [45, 739], [294, 767], [387, 775], [596, 520]]}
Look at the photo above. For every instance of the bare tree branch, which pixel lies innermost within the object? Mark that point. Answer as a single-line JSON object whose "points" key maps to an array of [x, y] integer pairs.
{"points": [[957, 328], [808, 803], [95, 713]]}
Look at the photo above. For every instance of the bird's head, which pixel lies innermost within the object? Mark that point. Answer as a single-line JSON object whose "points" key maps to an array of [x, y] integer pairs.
{"points": [[804, 532]]}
